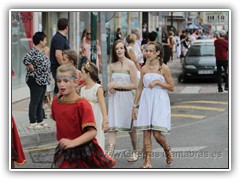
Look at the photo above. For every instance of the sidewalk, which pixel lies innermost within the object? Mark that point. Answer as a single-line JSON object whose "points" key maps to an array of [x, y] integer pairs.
{"points": [[34, 137]]}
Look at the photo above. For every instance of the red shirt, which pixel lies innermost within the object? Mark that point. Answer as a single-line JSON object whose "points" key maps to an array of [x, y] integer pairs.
{"points": [[71, 122], [221, 49], [72, 118]]}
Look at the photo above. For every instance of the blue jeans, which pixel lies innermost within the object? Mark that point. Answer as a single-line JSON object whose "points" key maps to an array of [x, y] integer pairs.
{"points": [[37, 93]]}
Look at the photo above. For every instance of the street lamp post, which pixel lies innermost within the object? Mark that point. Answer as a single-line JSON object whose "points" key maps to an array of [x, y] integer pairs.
{"points": [[93, 37], [171, 21], [104, 50], [160, 27]]}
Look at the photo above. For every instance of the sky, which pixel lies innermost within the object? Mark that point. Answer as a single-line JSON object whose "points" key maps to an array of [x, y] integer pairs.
{"points": [[233, 5]]}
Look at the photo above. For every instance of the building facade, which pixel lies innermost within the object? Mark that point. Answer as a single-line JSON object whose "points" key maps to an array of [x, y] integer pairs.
{"points": [[25, 24]]}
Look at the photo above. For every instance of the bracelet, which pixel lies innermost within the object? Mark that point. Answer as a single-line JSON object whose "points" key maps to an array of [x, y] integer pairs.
{"points": [[105, 121], [135, 105]]}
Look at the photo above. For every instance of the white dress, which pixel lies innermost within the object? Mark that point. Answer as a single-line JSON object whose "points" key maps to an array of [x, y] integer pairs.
{"points": [[154, 111], [120, 104], [91, 96]]}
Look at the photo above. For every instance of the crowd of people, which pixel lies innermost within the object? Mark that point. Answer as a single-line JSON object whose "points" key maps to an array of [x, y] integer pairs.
{"points": [[139, 79]]}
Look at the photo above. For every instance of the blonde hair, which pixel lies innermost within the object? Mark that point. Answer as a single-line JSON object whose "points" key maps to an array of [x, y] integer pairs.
{"points": [[68, 68], [131, 38]]}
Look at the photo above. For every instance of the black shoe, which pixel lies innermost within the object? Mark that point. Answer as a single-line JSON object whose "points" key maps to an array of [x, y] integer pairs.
{"points": [[220, 90], [226, 88]]}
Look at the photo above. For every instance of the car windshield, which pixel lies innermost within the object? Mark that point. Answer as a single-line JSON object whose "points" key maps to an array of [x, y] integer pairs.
{"points": [[201, 50]]}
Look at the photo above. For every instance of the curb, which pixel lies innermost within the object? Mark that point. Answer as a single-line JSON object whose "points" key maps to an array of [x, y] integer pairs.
{"points": [[38, 139]]}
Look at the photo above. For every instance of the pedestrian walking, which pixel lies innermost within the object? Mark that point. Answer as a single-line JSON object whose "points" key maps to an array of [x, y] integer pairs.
{"points": [[131, 40], [154, 113], [119, 34], [37, 79], [93, 92], [59, 43], [123, 79], [178, 44], [184, 47], [137, 46], [75, 126], [172, 45], [86, 49], [221, 54], [82, 52]]}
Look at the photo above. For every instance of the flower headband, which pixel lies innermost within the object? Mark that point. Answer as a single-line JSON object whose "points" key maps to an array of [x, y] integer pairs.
{"points": [[87, 66], [67, 77]]}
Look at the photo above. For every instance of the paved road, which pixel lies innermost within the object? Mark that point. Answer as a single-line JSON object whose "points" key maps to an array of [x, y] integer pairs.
{"points": [[193, 104], [199, 137]]}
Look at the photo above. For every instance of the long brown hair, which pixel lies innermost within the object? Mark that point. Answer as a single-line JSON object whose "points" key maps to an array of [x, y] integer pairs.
{"points": [[114, 54]]}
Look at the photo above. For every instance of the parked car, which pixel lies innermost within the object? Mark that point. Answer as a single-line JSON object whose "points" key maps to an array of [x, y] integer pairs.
{"points": [[200, 61]]}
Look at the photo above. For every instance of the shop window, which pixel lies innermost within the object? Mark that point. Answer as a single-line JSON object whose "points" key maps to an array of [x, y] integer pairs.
{"points": [[21, 42]]}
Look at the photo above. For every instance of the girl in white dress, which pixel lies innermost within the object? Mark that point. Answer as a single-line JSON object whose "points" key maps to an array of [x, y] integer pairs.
{"points": [[154, 113], [93, 92], [123, 79]]}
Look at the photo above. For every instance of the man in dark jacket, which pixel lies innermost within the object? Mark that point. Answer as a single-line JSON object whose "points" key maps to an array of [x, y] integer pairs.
{"points": [[221, 54]]}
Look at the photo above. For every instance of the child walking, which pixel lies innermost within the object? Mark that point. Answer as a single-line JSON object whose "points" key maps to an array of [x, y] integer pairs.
{"points": [[154, 114], [75, 126], [93, 92]]}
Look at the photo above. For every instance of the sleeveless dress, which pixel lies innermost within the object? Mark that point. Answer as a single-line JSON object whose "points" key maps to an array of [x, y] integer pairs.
{"points": [[120, 104], [91, 96], [154, 111]]}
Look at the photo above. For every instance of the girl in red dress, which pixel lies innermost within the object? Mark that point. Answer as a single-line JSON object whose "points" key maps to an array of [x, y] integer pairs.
{"points": [[76, 127]]}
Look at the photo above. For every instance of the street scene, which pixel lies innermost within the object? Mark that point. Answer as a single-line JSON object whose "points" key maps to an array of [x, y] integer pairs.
{"points": [[199, 102]]}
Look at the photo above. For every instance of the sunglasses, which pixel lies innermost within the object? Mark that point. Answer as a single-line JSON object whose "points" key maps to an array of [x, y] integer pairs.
{"points": [[88, 33]]}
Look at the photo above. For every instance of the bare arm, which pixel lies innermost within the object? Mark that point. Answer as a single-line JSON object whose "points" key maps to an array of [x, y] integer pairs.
{"points": [[103, 108], [169, 80], [133, 57], [138, 95], [58, 54], [90, 133], [110, 84], [100, 58]]}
